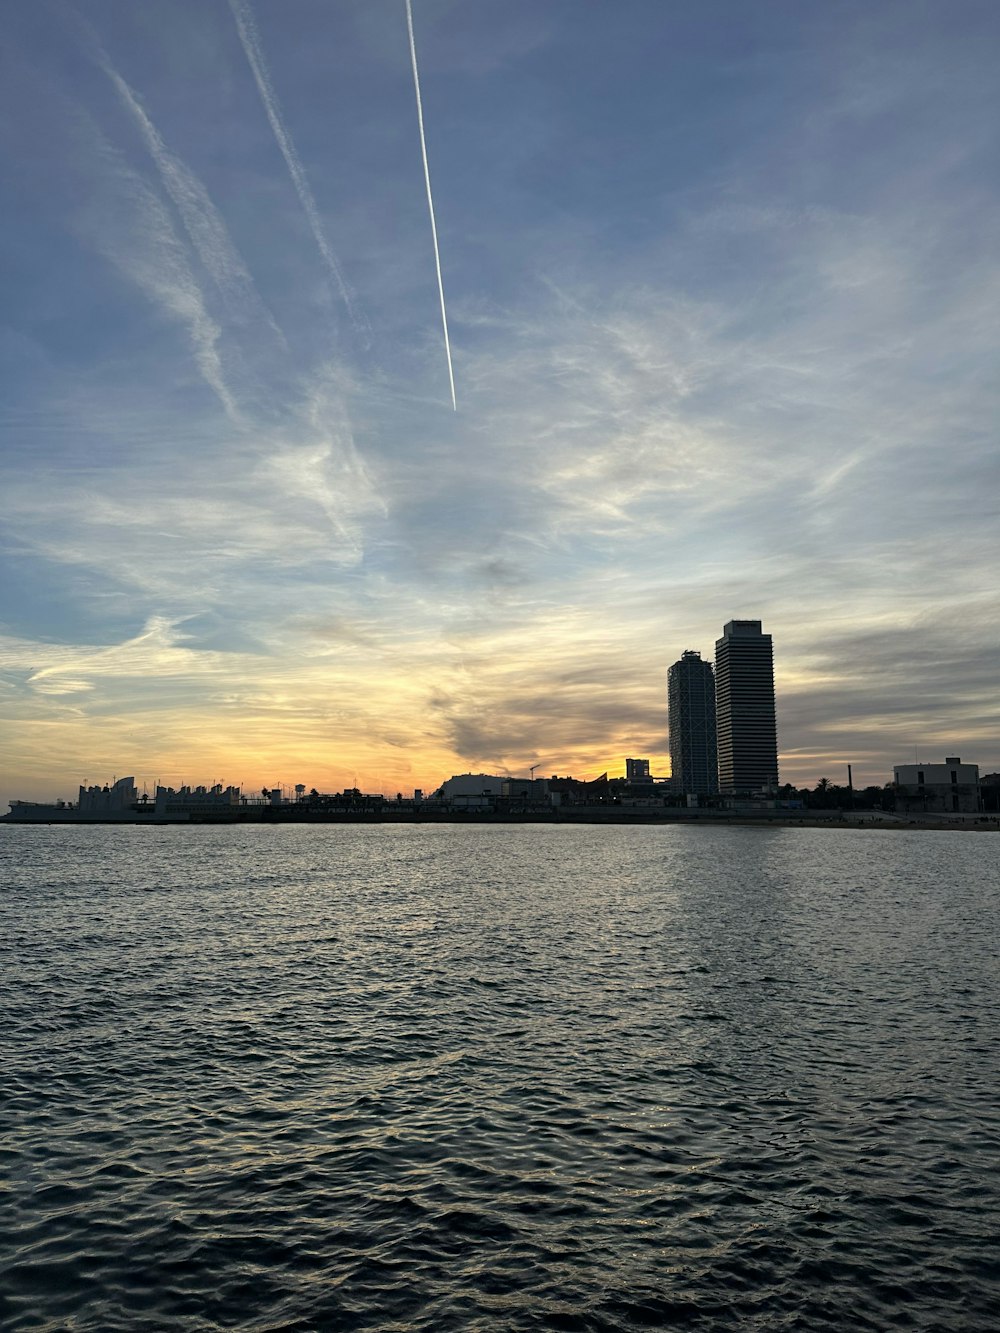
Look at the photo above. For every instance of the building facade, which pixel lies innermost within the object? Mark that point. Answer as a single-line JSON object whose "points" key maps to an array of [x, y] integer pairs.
{"points": [[691, 719], [935, 789], [471, 786], [637, 770], [746, 720]]}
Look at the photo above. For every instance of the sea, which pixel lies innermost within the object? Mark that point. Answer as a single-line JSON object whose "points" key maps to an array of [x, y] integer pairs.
{"points": [[499, 1077]]}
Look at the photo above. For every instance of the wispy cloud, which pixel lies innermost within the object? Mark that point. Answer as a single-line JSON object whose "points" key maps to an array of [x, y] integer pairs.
{"points": [[250, 40], [202, 221], [131, 226], [153, 257]]}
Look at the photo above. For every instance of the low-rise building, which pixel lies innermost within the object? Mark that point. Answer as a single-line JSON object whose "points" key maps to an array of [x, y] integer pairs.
{"points": [[935, 789], [469, 791], [108, 800], [471, 787], [989, 792], [188, 802]]}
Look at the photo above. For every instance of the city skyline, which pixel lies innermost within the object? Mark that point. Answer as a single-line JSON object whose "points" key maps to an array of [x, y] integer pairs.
{"points": [[721, 300]]}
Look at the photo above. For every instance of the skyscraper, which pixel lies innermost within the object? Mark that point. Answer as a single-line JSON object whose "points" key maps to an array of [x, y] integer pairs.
{"points": [[691, 716], [745, 715]]}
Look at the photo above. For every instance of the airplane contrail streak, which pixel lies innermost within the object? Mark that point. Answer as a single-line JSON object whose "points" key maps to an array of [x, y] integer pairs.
{"points": [[250, 40], [430, 200]]}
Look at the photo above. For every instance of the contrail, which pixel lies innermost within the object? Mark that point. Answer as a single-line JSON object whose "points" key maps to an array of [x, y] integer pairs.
{"points": [[250, 40], [430, 200]]}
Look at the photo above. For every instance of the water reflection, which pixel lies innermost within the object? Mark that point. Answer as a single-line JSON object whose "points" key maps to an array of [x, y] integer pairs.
{"points": [[500, 1078]]}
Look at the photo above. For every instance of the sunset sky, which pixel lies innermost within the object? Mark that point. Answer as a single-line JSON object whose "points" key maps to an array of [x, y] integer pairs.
{"points": [[722, 281]]}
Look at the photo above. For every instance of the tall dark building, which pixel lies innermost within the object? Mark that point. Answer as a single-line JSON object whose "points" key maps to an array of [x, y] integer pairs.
{"points": [[691, 716], [744, 704]]}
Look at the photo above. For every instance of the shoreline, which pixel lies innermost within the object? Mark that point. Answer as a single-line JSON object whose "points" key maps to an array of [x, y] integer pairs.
{"points": [[583, 815]]}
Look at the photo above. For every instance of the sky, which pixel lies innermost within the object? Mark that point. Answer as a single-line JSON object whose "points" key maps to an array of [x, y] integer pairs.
{"points": [[722, 283]]}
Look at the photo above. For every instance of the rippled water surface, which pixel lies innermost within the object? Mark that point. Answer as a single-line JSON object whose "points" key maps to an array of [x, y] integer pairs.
{"points": [[499, 1078]]}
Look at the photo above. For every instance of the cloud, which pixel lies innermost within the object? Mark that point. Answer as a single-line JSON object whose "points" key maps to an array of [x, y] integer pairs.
{"points": [[202, 221], [143, 244], [250, 41], [746, 369]]}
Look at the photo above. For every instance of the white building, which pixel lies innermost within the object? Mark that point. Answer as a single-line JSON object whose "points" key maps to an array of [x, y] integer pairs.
{"points": [[948, 788], [472, 784], [108, 800], [203, 801], [471, 791]]}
